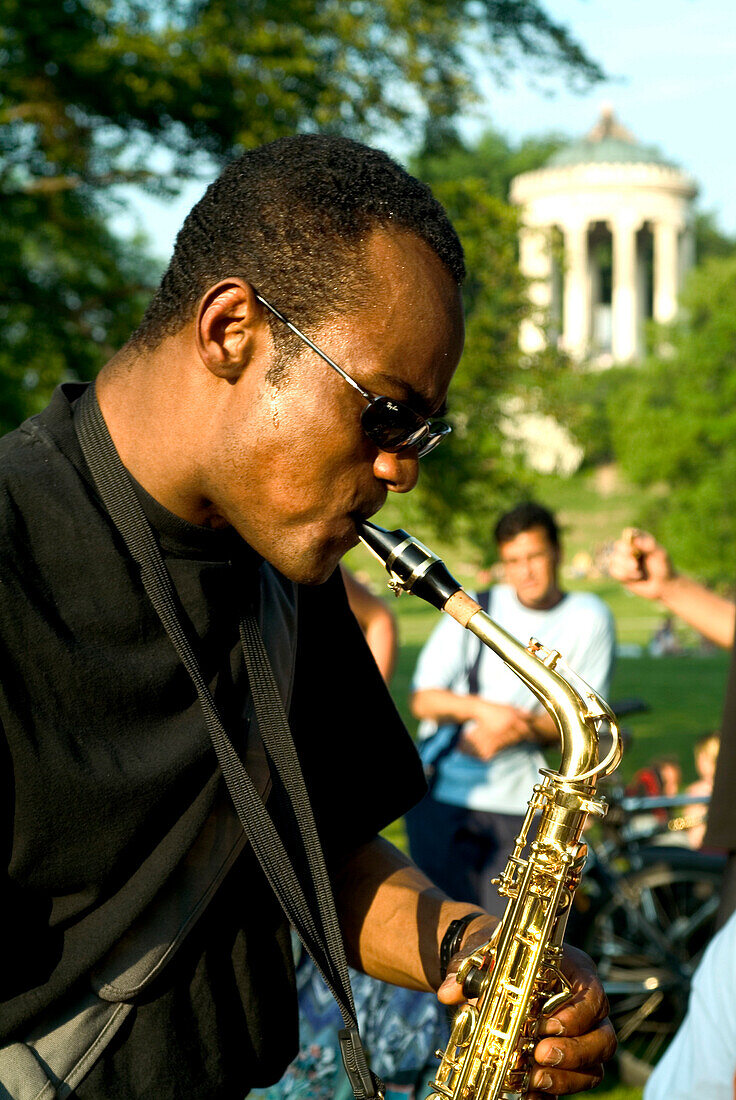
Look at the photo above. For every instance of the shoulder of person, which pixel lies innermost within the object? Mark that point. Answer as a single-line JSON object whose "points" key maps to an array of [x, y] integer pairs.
{"points": [[498, 594], [589, 605], [26, 454], [24, 476]]}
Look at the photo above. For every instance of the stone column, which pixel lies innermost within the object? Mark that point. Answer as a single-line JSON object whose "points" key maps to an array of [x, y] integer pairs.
{"points": [[625, 320], [666, 272], [576, 295], [535, 261], [687, 253]]}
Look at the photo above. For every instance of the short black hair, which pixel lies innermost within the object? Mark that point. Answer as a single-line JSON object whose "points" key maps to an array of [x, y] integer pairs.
{"points": [[291, 218], [524, 517]]}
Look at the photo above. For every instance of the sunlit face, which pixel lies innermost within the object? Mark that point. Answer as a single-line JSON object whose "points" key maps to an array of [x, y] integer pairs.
{"points": [[671, 775], [705, 763], [292, 470], [530, 562]]}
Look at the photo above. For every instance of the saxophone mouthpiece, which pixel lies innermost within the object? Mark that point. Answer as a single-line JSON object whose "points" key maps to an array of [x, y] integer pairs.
{"points": [[413, 568], [379, 541]]}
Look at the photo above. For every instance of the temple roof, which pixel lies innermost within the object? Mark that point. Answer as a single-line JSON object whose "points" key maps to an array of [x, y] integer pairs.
{"points": [[607, 143]]}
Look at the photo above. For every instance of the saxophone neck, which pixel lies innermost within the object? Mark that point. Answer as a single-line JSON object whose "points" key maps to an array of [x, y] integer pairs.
{"points": [[578, 712]]}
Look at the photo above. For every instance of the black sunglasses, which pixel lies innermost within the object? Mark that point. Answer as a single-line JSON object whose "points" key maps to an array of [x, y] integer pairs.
{"points": [[390, 424]]}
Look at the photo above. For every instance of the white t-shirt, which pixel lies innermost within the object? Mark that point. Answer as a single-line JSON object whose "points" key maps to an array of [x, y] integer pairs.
{"points": [[580, 626], [700, 1063]]}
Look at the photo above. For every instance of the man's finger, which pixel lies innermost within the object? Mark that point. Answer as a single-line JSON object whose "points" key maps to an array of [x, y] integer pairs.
{"points": [[563, 1084], [578, 1052], [588, 1005]]}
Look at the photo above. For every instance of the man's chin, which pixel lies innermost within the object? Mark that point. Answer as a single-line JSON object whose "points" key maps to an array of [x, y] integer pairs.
{"points": [[317, 574], [312, 567]]}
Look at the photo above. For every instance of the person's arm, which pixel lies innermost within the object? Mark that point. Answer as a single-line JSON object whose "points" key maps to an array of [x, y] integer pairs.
{"points": [[493, 726], [545, 728], [644, 567], [393, 920], [376, 621]]}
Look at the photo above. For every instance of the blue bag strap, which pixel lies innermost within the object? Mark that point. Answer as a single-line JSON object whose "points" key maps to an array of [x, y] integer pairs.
{"points": [[431, 768]]}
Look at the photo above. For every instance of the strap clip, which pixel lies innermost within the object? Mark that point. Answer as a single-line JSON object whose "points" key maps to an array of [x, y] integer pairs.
{"points": [[364, 1083]]}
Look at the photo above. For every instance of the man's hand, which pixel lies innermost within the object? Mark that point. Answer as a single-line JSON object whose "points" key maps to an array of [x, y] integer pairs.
{"points": [[495, 726], [639, 562], [575, 1041]]}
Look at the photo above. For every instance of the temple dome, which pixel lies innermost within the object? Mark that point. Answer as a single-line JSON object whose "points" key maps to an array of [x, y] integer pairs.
{"points": [[607, 143], [625, 217]]}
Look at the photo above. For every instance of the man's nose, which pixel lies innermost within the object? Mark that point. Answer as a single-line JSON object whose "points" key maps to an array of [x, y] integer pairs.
{"points": [[399, 471]]}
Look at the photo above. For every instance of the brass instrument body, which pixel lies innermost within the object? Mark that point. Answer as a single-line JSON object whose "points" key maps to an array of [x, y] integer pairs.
{"points": [[516, 980]]}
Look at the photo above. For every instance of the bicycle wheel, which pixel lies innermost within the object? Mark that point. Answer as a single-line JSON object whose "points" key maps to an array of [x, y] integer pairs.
{"points": [[647, 939]]}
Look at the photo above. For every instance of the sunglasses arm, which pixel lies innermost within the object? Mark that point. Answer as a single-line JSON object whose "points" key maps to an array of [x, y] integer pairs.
{"points": [[313, 346]]}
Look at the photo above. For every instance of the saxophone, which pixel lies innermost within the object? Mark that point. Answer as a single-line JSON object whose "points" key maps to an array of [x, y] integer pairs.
{"points": [[515, 979]]}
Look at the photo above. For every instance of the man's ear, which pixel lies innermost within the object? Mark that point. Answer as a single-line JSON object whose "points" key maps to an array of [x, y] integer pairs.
{"points": [[230, 328]]}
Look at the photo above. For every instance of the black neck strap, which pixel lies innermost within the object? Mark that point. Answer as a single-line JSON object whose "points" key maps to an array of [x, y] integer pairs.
{"points": [[319, 931]]}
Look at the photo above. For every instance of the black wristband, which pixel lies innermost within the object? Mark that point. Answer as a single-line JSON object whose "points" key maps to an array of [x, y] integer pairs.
{"points": [[453, 938]]}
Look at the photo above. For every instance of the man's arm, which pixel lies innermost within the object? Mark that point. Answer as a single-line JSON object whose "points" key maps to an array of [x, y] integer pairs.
{"points": [[376, 621], [494, 725], [393, 920], [644, 567]]}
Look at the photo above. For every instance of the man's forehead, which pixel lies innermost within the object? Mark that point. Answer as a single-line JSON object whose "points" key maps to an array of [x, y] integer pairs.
{"points": [[531, 534]]}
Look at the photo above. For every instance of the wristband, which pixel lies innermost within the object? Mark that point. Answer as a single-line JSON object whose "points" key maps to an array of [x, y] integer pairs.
{"points": [[452, 939]]}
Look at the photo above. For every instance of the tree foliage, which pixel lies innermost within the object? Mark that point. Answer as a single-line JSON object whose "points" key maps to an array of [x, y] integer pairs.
{"points": [[493, 158], [674, 426], [98, 93], [70, 295], [478, 472], [89, 87]]}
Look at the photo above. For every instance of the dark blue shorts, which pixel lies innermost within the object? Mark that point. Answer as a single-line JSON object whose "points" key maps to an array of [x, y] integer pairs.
{"points": [[461, 850]]}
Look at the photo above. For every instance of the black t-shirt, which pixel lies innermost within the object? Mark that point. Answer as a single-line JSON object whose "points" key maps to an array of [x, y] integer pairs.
{"points": [[721, 831], [110, 773]]}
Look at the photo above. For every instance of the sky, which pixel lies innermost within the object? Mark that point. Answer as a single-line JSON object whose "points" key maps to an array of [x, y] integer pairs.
{"points": [[672, 65]]}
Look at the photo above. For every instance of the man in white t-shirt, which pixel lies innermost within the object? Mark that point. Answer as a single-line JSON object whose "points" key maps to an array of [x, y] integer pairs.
{"points": [[482, 777]]}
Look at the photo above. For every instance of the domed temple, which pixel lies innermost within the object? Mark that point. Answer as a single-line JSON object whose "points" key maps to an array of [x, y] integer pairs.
{"points": [[606, 239]]}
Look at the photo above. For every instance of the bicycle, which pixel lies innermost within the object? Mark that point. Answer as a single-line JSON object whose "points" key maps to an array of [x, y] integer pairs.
{"points": [[645, 912]]}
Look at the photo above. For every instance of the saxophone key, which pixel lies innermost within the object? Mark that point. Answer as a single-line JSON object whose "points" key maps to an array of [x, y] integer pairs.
{"points": [[525, 938], [439, 1090]]}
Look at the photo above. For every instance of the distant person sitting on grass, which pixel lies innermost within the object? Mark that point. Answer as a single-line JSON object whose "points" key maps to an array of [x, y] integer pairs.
{"points": [[664, 642], [659, 779], [706, 756]]}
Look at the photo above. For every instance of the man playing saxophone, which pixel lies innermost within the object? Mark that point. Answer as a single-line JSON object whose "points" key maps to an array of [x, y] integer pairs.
{"points": [[148, 956]]}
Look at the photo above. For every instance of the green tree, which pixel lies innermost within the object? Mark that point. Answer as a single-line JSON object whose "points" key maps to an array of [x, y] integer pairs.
{"points": [[478, 473], [674, 426], [71, 293], [710, 240], [98, 93], [89, 87], [494, 158]]}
